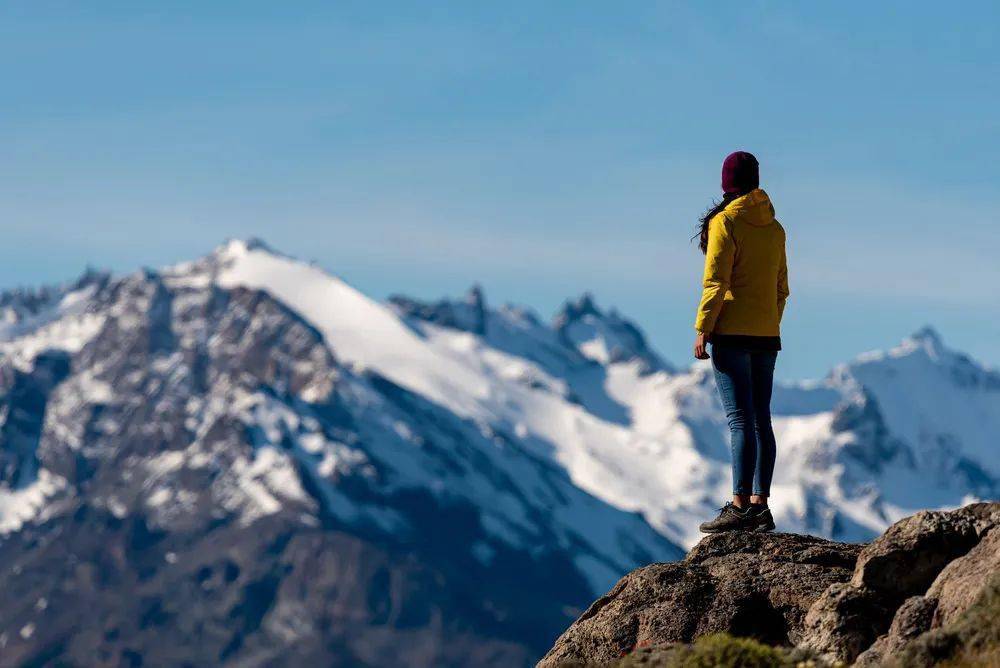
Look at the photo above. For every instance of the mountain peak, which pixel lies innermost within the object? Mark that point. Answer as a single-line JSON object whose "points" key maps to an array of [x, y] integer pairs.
{"points": [[574, 309], [236, 246], [606, 338], [926, 339], [927, 335], [467, 314], [475, 297]]}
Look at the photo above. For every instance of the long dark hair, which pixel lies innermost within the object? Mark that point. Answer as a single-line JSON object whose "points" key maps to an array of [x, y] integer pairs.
{"points": [[702, 233]]}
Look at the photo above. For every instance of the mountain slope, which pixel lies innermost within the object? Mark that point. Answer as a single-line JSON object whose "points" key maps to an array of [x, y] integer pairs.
{"points": [[867, 445], [287, 470], [207, 475], [879, 438]]}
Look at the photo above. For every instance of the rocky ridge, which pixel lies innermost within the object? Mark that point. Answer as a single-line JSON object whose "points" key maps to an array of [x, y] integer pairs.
{"points": [[905, 594]]}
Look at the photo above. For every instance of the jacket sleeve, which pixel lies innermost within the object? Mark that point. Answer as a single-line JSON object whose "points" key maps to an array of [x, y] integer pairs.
{"points": [[782, 283], [718, 271]]}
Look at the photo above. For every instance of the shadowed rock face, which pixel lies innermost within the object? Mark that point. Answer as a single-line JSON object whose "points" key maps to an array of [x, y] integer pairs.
{"points": [[24, 406], [840, 602]]}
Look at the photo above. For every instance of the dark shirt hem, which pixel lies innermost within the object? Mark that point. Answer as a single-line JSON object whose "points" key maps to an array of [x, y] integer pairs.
{"points": [[746, 342]]}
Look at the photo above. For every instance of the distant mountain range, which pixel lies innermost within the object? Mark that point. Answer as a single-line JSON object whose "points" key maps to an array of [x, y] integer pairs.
{"points": [[242, 459]]}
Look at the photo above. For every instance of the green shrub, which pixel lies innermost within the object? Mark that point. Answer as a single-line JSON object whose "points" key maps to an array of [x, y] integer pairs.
{"points": [[724, 651], [712, 651]]}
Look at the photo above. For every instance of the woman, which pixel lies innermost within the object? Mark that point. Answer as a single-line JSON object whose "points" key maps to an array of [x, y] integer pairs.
{"points": [[745, 287]]}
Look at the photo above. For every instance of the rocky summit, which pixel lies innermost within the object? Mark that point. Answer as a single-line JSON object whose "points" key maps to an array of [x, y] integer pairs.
{"points": [[925, 591]]}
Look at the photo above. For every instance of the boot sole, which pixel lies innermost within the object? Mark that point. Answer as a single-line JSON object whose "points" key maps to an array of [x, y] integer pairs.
{"points": [[731, 529], [712, 531], [764, 528]]}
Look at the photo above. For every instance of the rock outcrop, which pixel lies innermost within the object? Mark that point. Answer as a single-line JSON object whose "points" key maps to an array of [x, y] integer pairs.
{"points": [[954, 589], [839, 602], [747, 584]]}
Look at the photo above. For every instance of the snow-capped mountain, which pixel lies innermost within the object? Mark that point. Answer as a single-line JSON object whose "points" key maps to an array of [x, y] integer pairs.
{"points": [[243, 459]]}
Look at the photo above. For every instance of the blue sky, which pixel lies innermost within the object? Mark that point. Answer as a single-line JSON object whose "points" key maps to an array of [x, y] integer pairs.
{"points": [[540, 148]]}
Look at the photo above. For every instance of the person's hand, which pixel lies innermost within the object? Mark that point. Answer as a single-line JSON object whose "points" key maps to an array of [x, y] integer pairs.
{"points": [[700, 341]]}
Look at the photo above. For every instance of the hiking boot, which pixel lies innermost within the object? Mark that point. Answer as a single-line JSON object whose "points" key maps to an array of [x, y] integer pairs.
{"points": [[730, 518], [759, 518]]}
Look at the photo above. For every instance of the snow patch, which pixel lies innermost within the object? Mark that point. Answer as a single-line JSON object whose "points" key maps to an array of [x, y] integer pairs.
{"points": [[22, 505]]}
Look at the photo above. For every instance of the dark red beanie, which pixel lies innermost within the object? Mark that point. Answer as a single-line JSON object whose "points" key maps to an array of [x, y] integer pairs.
{"points": [[740, 173]]}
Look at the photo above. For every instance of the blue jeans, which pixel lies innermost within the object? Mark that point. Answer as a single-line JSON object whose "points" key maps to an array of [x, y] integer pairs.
{"points": [[744, 379]]}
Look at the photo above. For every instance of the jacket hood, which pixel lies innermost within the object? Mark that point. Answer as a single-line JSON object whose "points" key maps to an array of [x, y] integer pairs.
{"points": [[754, 208]]}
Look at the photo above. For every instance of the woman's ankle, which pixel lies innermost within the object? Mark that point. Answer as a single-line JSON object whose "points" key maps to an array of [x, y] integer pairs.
{"points": [[758, 500]]}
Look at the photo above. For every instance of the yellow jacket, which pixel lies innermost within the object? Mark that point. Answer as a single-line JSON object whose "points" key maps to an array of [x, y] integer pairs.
{"points": [[746, 277]]}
